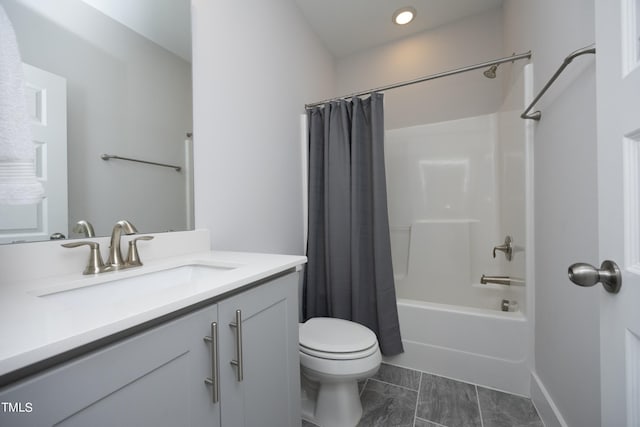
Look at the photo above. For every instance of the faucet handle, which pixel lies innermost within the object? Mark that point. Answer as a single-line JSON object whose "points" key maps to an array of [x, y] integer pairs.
{"points": [[133, 258], [94, 264], [506, 247]]}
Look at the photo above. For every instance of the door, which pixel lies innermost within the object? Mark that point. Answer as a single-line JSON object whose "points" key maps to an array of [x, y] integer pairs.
{"points": [[618, 115], [155, 378], [47, 105], [259, 362]]}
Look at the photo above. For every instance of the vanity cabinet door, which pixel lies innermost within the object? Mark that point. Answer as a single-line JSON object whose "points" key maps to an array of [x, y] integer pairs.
{"points": [[155, 378], [268, 394]]}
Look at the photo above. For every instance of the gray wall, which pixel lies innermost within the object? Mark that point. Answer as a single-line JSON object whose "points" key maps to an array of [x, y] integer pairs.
{"points": [[252, 78], [250, 88], [125, 96], [468, 41], [567, 317]]}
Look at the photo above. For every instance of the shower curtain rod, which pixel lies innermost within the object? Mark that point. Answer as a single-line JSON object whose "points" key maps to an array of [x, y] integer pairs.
{"points": [[537, 115], [512, 58]]}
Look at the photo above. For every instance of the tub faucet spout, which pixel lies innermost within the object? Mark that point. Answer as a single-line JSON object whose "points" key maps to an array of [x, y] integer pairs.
{"points": [[498, 280]]}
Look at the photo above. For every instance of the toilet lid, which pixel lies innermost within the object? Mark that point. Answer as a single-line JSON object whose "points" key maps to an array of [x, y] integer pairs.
{"points": [[329, 335]]}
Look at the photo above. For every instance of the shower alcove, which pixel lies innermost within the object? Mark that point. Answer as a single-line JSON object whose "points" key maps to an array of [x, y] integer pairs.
{"points": [[455, 189]]}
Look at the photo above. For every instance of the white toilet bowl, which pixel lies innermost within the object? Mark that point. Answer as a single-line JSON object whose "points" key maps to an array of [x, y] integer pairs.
{"points": [[334, 355]]}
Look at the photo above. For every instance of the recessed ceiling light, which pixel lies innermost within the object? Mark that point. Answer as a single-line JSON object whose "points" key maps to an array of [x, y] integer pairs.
{"points": [[404, 15]]}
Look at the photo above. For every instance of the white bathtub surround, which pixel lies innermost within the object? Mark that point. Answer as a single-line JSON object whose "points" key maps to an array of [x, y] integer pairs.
{"points": [[18, 182], [456, 189], [446, 190], [438, 266]]}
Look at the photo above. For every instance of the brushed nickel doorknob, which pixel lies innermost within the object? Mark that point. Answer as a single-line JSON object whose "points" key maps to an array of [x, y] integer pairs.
{"points": [[586, 275]]}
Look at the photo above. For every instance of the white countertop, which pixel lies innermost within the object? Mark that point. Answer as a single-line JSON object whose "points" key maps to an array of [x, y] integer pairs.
{"points": [[33, 328]]}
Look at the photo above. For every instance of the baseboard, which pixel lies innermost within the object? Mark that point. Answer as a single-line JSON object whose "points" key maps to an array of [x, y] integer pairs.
{"points": [[547, 409]]}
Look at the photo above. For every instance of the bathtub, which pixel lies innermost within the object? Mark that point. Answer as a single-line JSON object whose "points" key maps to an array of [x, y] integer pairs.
{"points": [[475, 345]]}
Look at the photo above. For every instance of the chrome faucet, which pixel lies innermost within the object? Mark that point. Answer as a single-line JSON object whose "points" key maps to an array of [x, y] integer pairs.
{"points": [[115, 261], [84, 227]]}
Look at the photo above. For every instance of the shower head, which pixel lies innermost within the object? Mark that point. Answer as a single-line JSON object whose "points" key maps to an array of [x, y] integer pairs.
{"points": [[491, 72]]}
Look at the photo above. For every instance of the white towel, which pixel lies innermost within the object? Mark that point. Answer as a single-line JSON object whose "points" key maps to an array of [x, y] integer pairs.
{"points": [[18, 182]]}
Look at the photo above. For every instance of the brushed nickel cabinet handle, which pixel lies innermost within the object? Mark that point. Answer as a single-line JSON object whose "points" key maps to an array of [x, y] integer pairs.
{"points": [[238, 361], [213, 381]]}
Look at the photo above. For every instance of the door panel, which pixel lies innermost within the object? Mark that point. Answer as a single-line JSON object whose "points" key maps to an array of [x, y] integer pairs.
{"points": [[269, 393], [155, 378], [47, 106], [618, 113]]}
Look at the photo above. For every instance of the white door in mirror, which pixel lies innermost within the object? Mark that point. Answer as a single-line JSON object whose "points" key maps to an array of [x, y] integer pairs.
{"points": [[47, 104]]}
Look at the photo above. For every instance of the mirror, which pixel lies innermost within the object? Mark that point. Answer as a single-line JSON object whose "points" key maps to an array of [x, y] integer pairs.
{"points": [[127, 95]]}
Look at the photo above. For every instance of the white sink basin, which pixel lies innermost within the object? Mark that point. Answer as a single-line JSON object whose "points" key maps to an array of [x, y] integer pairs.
{"points": [[131, 287]]}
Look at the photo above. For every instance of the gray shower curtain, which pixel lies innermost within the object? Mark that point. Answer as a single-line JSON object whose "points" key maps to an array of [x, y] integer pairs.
{"points": [[349, 273]]}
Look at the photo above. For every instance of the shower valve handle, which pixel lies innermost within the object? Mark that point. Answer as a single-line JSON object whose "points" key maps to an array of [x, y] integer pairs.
{"points": [[506, 247]]}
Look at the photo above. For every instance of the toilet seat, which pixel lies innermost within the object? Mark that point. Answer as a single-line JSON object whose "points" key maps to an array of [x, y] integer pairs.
{"points": [[336, 339], [339, 356]]}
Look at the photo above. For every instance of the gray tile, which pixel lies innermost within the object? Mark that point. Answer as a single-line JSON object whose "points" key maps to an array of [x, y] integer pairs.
{"points": [[507, 410], [424, 423], [361, 385], [448, 402], [399, 376], [386, 405], [441, 403]]}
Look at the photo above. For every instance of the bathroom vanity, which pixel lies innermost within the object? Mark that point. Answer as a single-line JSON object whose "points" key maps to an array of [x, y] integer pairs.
{"points": [[216, 346]]}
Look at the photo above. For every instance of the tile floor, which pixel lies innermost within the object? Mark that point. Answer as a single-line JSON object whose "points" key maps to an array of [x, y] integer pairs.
{"points": [[400, 397]]}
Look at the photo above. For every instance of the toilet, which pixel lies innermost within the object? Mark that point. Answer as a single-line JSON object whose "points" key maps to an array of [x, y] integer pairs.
{"points": [[334, 355]]}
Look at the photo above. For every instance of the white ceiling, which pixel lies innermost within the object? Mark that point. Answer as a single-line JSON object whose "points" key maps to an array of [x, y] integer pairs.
{"points": [[344, 26], [347, 26], [165, 22]]}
